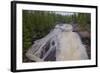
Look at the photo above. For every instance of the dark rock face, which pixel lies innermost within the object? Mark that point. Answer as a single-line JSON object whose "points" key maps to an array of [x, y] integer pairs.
{"points": [[51, 56], [84, 34], [87, 43]]}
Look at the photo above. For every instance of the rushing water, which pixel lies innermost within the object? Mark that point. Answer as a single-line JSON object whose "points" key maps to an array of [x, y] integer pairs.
{"points": [[63, 40]]}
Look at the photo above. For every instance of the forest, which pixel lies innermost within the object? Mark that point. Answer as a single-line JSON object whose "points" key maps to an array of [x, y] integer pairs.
{"points": [[37, 24]]}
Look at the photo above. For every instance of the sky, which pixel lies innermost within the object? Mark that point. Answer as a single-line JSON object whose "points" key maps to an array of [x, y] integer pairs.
{"points": [[64, 13]]}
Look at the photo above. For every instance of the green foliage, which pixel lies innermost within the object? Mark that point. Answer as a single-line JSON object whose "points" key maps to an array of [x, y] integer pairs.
{"points": [[36, 24], [84, 21]]}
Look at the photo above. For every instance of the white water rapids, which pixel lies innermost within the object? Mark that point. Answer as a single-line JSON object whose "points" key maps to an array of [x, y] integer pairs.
{"points": [[67, 44]]}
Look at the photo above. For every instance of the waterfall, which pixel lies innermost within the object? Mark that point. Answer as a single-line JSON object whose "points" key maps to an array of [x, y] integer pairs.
{"points": [[63, 40]]}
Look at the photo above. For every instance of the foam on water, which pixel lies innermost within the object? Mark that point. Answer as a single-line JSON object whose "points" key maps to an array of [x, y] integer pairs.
{"points": [[67, 43]]}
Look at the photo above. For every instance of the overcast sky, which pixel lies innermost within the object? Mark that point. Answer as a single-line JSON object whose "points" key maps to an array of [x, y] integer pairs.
{"points": [[64, 13]]}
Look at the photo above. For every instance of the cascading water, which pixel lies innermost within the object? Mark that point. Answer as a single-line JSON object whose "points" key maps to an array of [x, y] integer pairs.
{"points": [[71, 47], [61, 39]]}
